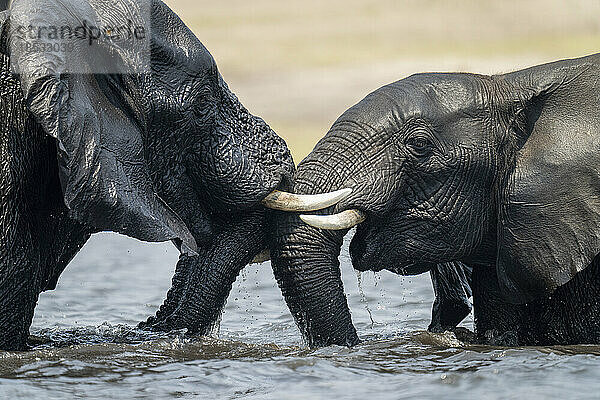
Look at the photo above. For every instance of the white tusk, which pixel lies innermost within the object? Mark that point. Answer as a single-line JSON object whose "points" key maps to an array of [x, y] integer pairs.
{"points": [[285, 201], [344, 220]]}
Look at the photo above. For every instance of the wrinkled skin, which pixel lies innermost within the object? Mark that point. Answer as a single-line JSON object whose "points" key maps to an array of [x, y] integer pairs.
{"points": [[500, 173], [170, 154]]}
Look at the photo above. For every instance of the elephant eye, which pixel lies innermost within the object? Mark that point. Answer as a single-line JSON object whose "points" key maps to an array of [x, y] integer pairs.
{"points": [[419, 146]]}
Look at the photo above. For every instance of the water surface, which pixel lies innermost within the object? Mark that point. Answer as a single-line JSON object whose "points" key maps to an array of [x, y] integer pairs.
{"points": [[88, 347]]}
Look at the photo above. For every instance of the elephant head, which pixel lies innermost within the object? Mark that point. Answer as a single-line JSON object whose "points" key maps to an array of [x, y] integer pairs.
{"points": [[495, 171], [150, 141]]}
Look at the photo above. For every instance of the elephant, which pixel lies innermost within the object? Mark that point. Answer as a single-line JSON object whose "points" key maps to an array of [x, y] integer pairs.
{"points": [[500, 173], [162, 153]]}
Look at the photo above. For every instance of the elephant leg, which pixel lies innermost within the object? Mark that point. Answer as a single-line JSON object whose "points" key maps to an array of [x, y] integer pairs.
{"points": [[24, 275], [576, 306], [64, 243], [18, 297], [31, 262], [571, 315], [497, 322], [202, 283], [452, 287]]}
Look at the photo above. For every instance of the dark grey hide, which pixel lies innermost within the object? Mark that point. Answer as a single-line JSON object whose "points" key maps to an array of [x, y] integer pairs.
{"points": [[167, 154]]}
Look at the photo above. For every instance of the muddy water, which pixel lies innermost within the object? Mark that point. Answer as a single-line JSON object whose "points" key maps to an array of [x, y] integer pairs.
{"points": [[88, 348]]}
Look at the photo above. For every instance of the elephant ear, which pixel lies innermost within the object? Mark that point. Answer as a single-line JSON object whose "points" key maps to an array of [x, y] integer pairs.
{"points": [[549, 220], [105, 181]]}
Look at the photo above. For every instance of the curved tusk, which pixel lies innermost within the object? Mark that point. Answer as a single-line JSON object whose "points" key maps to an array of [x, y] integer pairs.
{"points": [[344, 220], [285, 201]]}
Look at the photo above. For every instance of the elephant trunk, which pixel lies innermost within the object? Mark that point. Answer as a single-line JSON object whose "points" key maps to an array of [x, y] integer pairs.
{"points": [[202, 282], [306, 266], [305, 259]]}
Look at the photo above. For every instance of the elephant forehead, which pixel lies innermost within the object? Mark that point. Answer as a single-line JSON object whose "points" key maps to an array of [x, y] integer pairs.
{"points": [[437, 97], [440, 95]]}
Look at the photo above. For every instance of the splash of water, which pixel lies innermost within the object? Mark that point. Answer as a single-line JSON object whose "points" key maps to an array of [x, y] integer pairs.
{"points": [[363, 297], [106, 332]]}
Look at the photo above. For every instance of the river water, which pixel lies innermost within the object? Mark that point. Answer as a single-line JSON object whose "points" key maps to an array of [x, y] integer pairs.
{"points": [[88, 347]]}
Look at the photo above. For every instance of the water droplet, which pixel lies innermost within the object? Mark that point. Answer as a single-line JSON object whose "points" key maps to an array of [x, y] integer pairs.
{"points": [[363, 297]]}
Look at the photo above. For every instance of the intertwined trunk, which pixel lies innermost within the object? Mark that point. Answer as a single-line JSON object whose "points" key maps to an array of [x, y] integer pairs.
{"points": [[305, 259], [305, 263]]}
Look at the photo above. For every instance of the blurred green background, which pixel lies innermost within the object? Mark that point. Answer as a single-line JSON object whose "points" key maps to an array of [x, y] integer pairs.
{"points": [[300, 64]]}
